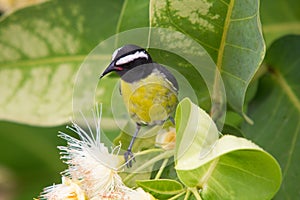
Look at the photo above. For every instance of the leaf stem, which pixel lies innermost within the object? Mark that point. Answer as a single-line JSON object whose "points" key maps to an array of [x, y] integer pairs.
{"points": [[218, 106], [187, 195], [262, 70], [165, 154], [161, 169], [177, 195], [120, 21], [209, 172], [195, 193]]}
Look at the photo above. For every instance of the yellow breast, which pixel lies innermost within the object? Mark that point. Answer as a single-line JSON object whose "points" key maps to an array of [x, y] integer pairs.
{"points": [[150, 100]]}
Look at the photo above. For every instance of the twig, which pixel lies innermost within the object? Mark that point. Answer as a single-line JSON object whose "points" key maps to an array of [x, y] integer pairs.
{"points": [[177, 195], [187, 195], [165, 154], [161, 169], [195, 193]]}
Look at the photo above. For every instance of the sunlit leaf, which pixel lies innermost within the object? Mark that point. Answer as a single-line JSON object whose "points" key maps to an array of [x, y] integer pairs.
{"points": [[196, 134], [161, 188], [40, 55], [233, 168], [229, 30]]}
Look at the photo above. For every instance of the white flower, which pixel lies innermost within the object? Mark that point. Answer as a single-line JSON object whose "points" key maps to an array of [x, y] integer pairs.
{"points": [[140, 194], [90, 161], [126, 194], [93, 170], [166, 138], [67, 190]]}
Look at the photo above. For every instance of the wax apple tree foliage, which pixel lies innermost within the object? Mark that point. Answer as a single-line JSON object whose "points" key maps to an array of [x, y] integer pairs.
{"points": [[249, 154]]}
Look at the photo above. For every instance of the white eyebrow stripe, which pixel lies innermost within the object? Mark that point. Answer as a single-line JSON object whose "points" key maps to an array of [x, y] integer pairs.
{"points": [[131, 57], [115, 53]]}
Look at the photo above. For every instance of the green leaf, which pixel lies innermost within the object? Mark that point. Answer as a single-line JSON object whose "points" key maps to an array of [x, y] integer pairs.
{"points": [[196, 134], [145, 163], [232, 130], [161, 188], [134, 14], [279, 19], [233, 168], [145, 160], [146, 138], [230, 31], [276, 111], [137, 176], [168, 172], [41, 52]]}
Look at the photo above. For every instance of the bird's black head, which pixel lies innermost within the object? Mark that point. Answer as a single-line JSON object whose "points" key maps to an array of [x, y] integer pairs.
{"points": [[126, 58]]}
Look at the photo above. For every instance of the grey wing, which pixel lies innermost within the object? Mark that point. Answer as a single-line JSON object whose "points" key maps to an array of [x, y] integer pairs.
{"points": [[168, 75], [120, 88]]}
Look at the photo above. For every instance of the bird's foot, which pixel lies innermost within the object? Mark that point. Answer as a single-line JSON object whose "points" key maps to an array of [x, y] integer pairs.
{"points": [[129, 157], [172, 120]]}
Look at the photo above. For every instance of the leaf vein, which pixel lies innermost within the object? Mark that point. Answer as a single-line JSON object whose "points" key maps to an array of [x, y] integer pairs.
{"points": [[52, 60], [244, 18], [17, 50], [209, 172], [224, 35], [220, 187], [234, 76], [246, 171], [44, 39], [222, 1], [287, 89], [291, 150], [120, 21], [242, 48], [274, 112]]}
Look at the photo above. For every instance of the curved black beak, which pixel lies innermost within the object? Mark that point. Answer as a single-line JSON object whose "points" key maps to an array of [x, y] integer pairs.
{"points": [[110, 68]]}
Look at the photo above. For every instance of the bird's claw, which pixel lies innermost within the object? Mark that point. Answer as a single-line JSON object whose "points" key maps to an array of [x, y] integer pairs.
{"points": [[128, 155]]}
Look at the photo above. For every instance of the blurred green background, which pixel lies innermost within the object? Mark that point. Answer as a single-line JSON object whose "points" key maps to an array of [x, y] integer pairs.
{"points": [[29, 158]]}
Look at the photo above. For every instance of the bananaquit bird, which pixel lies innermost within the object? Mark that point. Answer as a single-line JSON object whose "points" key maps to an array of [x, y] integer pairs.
{"points": [[148, 89]]}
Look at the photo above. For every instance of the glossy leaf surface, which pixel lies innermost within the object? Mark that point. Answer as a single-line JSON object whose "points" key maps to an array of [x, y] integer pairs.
{"points": [[232, 168], [276, 111], [230, 31]]}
